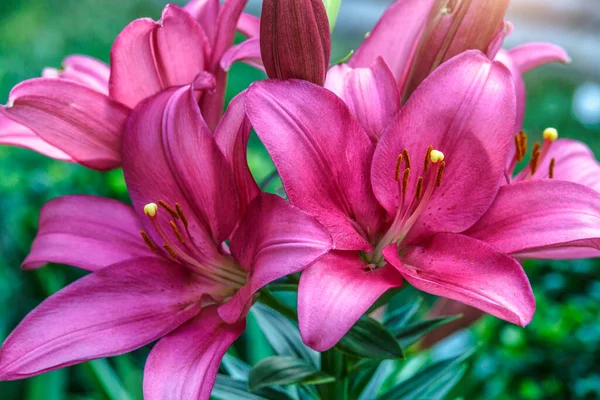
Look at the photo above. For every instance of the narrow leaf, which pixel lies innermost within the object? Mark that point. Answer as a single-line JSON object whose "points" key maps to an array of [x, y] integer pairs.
{"points": [[226, 388], [410, 334], [402, 316], [282, 370], [333, 8], [236, 368], [369, 339]]}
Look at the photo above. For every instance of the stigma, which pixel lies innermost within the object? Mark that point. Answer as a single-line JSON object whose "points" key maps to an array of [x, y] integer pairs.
{"points": [[151, 209], [550, 134], [436, 156]]}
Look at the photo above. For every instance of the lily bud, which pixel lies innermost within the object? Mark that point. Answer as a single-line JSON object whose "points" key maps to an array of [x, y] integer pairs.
{"points": [[455, 26], [294, 39]]}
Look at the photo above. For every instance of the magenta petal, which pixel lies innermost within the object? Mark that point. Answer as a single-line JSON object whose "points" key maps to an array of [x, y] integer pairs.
{"points": [[535, 215], [169, 155], [14, 134], [335, 292], [112, 311], [465, 109], [274, 240], [80, 121], [205, 12], [86, 232], [470, 271], [248, 51], [227, 20], [532, 55], [322, 155], [184, 364], [504, 57], [395, 37], [231, 136], [84, 70], [149, 56], [574, 162], [249, 25], [370, 93]]}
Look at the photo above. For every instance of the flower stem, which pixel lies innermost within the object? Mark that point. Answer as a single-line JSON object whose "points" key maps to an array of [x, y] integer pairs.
{"points": [[335, 363]]}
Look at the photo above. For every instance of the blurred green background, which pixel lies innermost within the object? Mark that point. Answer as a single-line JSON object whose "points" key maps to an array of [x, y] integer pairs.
{"points": [[557, 356]]}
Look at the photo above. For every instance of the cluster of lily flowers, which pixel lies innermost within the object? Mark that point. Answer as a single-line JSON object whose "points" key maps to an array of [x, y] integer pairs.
{"points": [[399, 165]]}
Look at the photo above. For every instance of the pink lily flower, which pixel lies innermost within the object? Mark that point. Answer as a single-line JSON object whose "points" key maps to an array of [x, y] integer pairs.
{"points": [[160, 269], [80, 117], [396, 208]]}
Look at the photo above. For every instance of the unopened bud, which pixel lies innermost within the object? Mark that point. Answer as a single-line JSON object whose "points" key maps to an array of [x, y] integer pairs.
{"points": [[294, 39]]}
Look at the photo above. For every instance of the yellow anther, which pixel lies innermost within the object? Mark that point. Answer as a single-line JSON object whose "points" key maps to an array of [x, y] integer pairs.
{"points": [[151, 209], [436, 156], [550, 134]]}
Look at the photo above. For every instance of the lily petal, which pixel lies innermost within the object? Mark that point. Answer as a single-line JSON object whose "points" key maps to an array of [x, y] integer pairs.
{"points": [[109, 312], [205, 12], [335, 292], [322, 155], [231, 136], [532, 55], [169, 155], [249, 25], [274, 240], [14, 134], [228, 17], [80, 121], [184, 364], [248, 51], [84, 70], [370, 93], [87, 232], [535, 215], [149, 56], [397, 49], [466, 110], [470, 271]]}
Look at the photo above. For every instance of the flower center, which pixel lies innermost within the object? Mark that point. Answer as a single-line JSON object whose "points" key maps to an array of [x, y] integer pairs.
{"points": [[538, 155], [410, 204], [179, 245]]}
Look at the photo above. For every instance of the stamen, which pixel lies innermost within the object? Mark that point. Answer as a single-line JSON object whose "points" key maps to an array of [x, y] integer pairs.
{"points": [[427, 159], [436, 156], [406, 158], [405, 180], [550, 134], [420, 188], [519, 153], [398, 165], [150, 209], [536, 148], [534, 162], [181, 215], [551, 169], [440, 174], [148, 241], [168, 208], [176, 232], [170, 251], [523, 136]]}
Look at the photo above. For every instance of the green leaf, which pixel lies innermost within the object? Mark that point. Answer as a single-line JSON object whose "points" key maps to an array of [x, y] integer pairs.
{"points": [[440, 389], [48, 386], [426, 380], [402, 316], [283, 335], [236, 368], [108, 380], [283, 370], [410, 334], [332, 7], [369, 339], [226, 388]]}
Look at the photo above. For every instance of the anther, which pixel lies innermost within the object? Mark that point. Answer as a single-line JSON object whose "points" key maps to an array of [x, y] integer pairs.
{"points": [[536, 148], [170, 251], [176, 232], [405, 180], [440, 174], [523, 136], [181, 215], [150, 209], [427, 159], [436, 156], [551, 169], [420, 188], [148, 241], [534, 161], [519, 152], [398, 166], [406, 158], [550, 134], [168, 208]]}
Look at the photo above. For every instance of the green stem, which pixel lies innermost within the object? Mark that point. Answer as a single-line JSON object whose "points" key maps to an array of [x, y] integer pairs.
{"points": [[335, 363]]}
